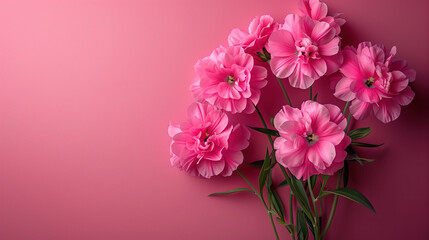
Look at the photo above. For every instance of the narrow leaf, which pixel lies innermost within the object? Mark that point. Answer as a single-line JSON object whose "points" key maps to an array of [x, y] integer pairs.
{"points": [[301, 226], [291, 228], [361, 160], [359, 133], [310, 225], [283, 184], [267, 131], [266, 53], [300, 194], [325, 180], [281, 221], [277, 204], [265, 170], [315, 97], [231, 191], [262, 56], [256, 164], [313, 180], [353, 195], [272, 121], [360, 144]]}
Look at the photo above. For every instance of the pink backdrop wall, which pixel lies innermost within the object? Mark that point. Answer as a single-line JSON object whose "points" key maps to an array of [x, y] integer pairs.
{"points": [[87, 89]]}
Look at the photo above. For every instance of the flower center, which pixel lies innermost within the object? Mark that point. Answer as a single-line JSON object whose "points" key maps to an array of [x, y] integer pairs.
{"points": [[369, 82], [206, 137], [230, 79], [306, 49], [311, 138]]}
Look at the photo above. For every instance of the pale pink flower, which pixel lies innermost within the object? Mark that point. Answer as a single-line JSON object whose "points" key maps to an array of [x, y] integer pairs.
{"points": [[375, 82], [229, 80], [206, 144], [303, 50], [255, 39], [319, 11], [312, 140]]}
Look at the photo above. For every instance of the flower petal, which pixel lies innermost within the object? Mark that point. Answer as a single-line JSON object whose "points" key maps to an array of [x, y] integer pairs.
{"points": [[387, 110], [321, 154], [281, 44], [359, 109], [343, 91], [283, 67]]}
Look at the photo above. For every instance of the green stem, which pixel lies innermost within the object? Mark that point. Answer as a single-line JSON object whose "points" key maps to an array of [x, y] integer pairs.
{"points": [[248, 183], [311, 92], [334, 206], [265, 126], [345, 108], [274, 226], [291, 213], [281, 167], [348, 122], [263, 201], [284, 91], [316, 211]]}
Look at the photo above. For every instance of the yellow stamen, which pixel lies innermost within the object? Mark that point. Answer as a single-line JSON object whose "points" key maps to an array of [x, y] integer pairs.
{"points": [[230, 79]]}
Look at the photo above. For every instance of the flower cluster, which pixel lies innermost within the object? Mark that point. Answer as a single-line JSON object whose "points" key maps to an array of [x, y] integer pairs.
{"points": [[302, 49], [310, 141]]}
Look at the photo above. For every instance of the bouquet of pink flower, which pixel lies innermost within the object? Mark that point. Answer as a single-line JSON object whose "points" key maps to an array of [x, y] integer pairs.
{"points": [[310, 142]]}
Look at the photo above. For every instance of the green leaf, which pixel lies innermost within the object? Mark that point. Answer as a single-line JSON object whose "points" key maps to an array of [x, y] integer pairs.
{"points": [[361, 160], [310, 225], [353, 195], [325, 180], [232, 191], [360, 144], [291, 228], [266, 53], [315, 97], [256, 164], [301, 226], [359, 133], [313, 180], [277, 204], [283, 184], [281, 221], [262, 56], [300, 194], [267, 131], [265, 170]]}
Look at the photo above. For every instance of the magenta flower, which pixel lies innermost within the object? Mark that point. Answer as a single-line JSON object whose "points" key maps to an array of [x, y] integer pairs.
{"points": [[229, 80], [206, 144], [312, 140], [303, 50], [253, 41], [375, 82], [319, 11]]}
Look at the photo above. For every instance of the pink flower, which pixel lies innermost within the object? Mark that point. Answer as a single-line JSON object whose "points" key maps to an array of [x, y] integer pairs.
{"points": [[312, 140], [229, 80], [375, 82], [303, 50], [319, 11], [253, 41], [206, 144]]}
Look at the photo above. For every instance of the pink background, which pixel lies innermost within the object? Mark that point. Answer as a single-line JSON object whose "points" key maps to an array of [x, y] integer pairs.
{"points": [[87, 89]]}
